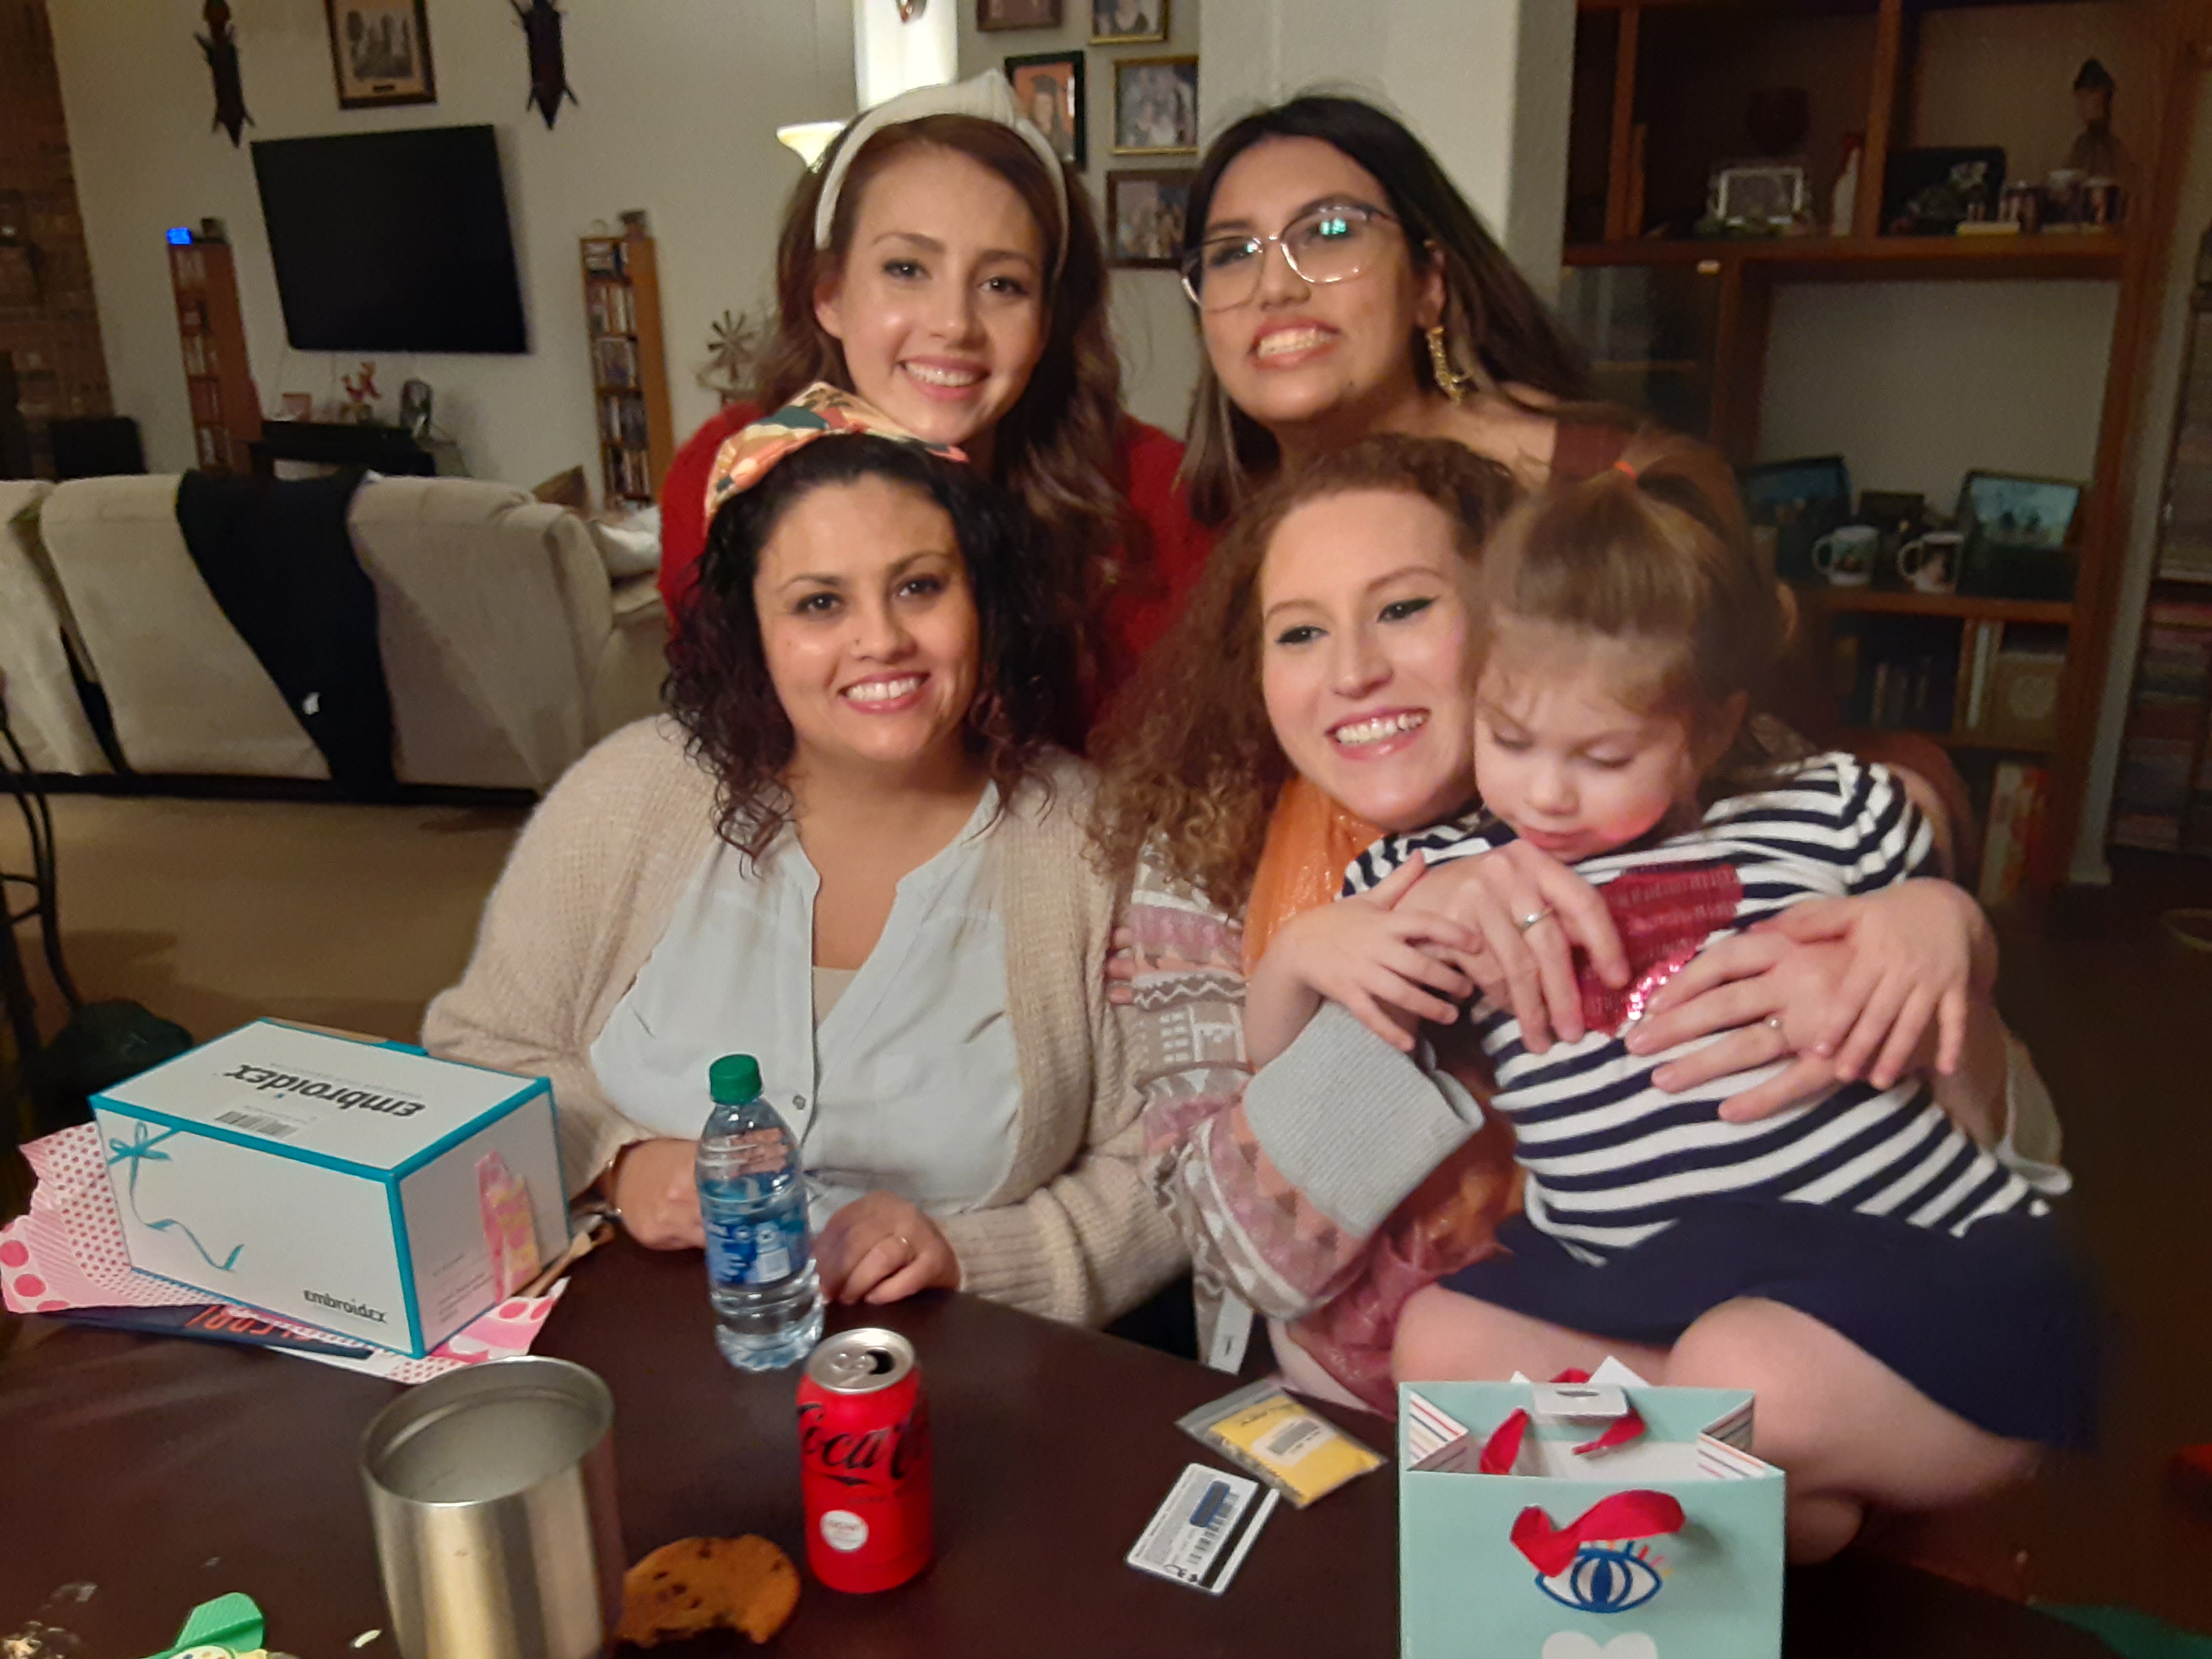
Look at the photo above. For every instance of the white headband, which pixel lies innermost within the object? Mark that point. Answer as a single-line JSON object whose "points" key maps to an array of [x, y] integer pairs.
{"points": [[986, 98]]}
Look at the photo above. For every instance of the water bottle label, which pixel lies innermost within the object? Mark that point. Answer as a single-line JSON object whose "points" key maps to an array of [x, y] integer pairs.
{"points": [[758, 1249]]}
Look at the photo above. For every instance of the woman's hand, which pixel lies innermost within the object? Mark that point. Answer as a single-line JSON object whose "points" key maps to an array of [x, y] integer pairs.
{"points": [[654, 1186], [1766, 993], [1367, 954], [1920, 951], [882, 1248], [1528, 966], [1839, 983]]}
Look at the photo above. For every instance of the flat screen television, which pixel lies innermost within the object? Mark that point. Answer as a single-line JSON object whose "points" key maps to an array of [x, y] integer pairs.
{"points": [[391, 241]]}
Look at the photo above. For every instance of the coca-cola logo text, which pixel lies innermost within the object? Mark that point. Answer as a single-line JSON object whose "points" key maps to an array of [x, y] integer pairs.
{"points": [[873, 1457]]}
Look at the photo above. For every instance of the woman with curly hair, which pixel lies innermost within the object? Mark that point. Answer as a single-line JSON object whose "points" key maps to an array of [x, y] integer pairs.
{"points": [[940, 264], [1343, 287], [1329, 646], [854, 852]]}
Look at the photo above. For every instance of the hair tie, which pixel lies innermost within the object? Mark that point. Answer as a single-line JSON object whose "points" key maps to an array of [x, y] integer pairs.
{"points": [[985, 97], [1623, 466], [821, 410]]}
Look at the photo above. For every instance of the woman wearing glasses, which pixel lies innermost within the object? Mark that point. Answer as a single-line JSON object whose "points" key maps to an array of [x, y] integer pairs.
{"points": [[1334, 306], [1345, 289]]}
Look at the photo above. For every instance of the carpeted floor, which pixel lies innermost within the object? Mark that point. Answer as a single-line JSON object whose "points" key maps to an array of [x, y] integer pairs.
{"points": [[212, 912]]}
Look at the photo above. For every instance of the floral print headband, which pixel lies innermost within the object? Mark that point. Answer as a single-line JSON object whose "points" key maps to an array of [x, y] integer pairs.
{"points": [[820, 411]]}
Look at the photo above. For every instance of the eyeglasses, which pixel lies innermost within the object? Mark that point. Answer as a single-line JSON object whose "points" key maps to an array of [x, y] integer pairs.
{"points": [[1332, 243]]}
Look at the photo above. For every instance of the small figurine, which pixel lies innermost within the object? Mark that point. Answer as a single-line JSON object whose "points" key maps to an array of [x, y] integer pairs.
{"points": [[549, 65], [219, 45], [361, 392], [2096, 154]]}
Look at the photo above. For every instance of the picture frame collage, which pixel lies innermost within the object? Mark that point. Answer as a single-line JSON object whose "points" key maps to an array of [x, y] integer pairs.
{"points": [[1153, 115]]}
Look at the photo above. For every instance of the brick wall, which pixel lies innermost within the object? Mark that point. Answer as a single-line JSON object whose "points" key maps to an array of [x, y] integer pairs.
{"points": [[56, 341]]}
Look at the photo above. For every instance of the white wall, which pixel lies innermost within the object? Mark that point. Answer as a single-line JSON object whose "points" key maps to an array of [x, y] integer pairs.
{"points": [[1915, 383], [679, 100], [1152, 321]]}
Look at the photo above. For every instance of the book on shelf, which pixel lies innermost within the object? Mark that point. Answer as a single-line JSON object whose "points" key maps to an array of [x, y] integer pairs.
{"points": [[2162, 797], [623, 419], [611, 309], [2018, 799], [603, 256], [1897, 673], [615, 361]]}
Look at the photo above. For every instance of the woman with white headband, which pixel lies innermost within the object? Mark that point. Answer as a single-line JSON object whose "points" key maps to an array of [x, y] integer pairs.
{"points": [[940, 264]]}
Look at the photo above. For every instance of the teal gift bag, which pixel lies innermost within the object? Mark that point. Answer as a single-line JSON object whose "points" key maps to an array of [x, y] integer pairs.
{"points": [[1576, 1520]]}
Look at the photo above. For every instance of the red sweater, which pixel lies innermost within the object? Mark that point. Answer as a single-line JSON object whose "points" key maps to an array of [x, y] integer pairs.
{"points": [[1136, 614]]}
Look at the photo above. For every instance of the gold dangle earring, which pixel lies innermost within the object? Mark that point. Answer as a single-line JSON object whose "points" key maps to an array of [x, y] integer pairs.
{"points": [[1449, 380]]}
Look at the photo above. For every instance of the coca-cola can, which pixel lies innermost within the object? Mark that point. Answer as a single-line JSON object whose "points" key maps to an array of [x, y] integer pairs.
{"points": [[864, 1461]]}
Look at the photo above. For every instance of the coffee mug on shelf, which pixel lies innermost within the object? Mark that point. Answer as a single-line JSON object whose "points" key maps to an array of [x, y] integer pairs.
{"points": [[1932, 563], [1845, 557]]}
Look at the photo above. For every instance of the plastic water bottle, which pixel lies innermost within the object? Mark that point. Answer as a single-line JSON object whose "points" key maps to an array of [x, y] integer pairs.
{"points": [[752, 1196]]}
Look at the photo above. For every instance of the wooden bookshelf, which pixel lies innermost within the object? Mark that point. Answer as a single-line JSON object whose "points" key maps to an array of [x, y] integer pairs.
{"points": [[1648, 76], [630, 366], [1896, 603], [226, 410]]}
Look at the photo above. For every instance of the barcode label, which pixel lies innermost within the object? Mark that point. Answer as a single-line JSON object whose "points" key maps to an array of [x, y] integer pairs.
{"points": [[1199, 1536], [255, 1123], [1286, 1442]]}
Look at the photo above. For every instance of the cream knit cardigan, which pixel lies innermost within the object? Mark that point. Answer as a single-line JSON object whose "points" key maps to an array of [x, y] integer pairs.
{"points": [[1071, 1233]]}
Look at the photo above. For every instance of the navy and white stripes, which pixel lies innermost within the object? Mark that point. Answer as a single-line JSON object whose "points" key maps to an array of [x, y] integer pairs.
{"points": [[1611, 1160]]}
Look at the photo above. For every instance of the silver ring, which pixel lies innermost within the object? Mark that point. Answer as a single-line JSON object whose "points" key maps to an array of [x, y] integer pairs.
{"points": [[1524, 923], [1773, 1024]]}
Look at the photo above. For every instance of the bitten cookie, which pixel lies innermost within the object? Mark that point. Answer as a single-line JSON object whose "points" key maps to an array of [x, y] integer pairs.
{"points": [[700, 1583]]}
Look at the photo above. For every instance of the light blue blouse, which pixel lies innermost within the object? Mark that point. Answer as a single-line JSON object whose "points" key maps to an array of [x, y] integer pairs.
{"points": [[910, 1084]]}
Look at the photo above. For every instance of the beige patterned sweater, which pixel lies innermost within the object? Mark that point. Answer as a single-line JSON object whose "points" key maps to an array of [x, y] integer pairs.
{"points": [[1073, 1232]]}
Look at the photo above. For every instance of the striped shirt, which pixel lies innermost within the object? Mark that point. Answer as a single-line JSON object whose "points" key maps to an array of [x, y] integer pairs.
{"points": [[1611, 1159]]}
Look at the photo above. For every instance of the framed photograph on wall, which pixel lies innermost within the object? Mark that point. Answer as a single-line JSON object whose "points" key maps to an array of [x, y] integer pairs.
{"points": [[380, 52], [1049, 89], [1127, 23], [1156, 106], [1016, 15], [1145, 211]]}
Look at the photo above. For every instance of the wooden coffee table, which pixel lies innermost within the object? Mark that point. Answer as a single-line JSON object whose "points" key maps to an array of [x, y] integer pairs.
{"points": [[167, 1472]]}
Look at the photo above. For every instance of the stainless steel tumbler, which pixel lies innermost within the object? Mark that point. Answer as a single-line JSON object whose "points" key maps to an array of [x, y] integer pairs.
{"points": [[492, 1490]]}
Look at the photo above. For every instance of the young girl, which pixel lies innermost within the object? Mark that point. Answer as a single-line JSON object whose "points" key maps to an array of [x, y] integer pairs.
{"points": [[1901, 1303]]}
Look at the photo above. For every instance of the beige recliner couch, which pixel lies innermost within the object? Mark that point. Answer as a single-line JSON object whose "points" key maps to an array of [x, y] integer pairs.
{"points": [[35, 682], [507, 649]]}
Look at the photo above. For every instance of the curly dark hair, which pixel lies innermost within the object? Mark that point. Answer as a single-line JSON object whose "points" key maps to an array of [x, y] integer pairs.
{"points": [[1027, 696]]}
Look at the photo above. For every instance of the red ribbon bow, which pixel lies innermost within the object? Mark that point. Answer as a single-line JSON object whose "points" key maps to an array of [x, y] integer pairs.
{"points": [[1503, 1450], [1551, 1550]]}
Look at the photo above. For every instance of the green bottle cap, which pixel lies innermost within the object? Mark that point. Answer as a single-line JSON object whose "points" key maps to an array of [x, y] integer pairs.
{"points": [[734, 1079]]}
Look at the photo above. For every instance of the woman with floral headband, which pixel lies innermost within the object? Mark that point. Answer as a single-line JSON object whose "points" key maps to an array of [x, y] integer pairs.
{"points": [[855, 852], [940, 264]]}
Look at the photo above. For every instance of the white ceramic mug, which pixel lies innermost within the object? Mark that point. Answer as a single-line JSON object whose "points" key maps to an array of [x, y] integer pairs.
{"points": [[1845, 557], [1932, 563]]}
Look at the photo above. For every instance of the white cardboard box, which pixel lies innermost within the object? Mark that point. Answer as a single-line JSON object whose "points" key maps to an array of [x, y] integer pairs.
{"points": [[331, 1181]]}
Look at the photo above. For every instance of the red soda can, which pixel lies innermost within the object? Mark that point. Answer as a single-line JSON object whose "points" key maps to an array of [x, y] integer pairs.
{"points": [[864, 1461]]}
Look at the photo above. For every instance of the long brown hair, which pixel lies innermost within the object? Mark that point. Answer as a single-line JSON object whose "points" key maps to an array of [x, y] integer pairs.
{"points": [[1654, 549], [1192, 764], [1496, 328], [1058, 446]]}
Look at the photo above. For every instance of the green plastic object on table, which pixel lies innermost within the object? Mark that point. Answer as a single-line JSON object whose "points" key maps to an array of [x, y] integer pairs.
{"points": [[227, 1626]]}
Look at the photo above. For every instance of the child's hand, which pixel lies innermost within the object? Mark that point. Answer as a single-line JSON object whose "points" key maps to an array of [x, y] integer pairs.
{"points": [[1921, 950], [1367, 954]]}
